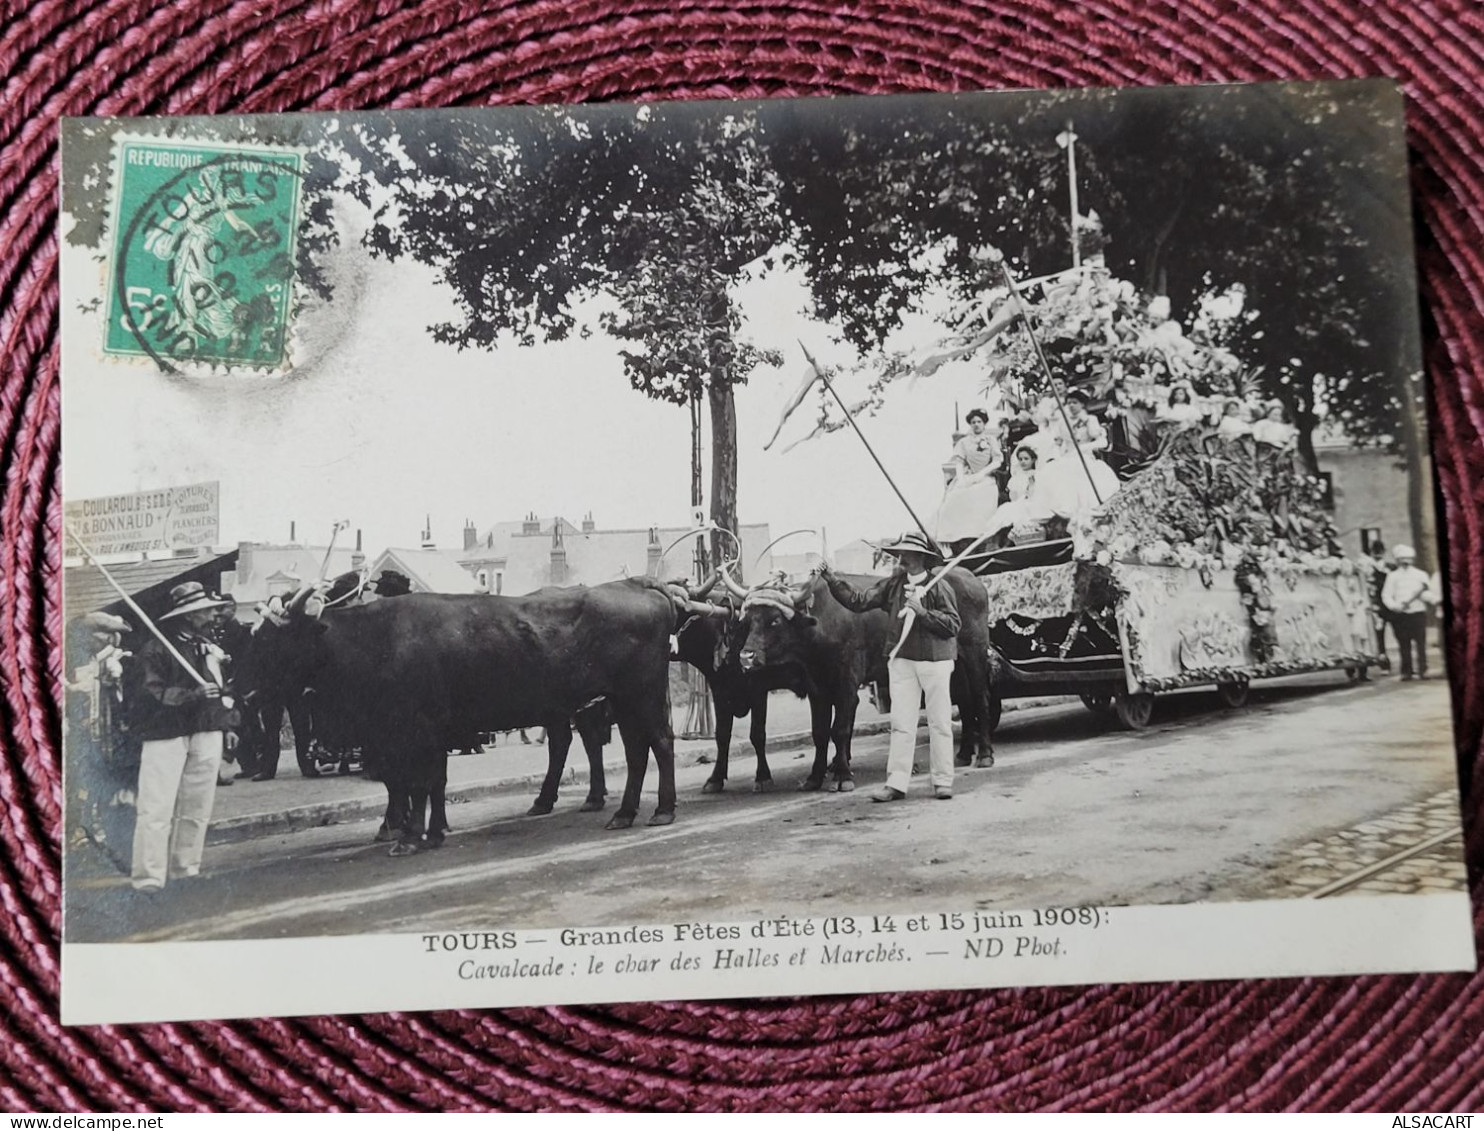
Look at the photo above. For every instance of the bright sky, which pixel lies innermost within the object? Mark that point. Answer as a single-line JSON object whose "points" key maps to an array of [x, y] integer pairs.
{"points": [[382, 426]]}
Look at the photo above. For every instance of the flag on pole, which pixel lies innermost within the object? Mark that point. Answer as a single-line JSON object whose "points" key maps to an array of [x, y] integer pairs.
{"points": [[811, 375]]}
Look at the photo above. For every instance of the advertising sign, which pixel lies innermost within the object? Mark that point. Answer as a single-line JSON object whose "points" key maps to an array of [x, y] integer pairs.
{"points": [[171, 518]]}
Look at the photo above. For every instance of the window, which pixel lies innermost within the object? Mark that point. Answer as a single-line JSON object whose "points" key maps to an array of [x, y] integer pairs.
{"points": [[1369, 536], [1328, 499], [499, 583], [484, 580]]}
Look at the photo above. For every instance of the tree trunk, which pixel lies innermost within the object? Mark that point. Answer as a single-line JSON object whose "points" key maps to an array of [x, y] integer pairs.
{"points": [[703, 559], [1156, 281], [723, 464], [1422, 517], [1300, 402], [1306, 422]]}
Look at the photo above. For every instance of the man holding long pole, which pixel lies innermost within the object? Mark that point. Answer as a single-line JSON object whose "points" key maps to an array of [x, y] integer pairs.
{"points": [[181, 717], [925, 645], [182, 720]]}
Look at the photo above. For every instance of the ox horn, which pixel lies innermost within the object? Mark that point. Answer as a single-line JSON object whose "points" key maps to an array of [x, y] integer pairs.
{"points": [[694, 530], [731, 583], [736, 542], [764, 551], [296, 604], [702, 591]]}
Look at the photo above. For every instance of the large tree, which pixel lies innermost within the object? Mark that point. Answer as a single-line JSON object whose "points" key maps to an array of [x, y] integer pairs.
{"points": [[639, 223], [1290, 192], [1300, 197], [1295, 193], [547, 222]]}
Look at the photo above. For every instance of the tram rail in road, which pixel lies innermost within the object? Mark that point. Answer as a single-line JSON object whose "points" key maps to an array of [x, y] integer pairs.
{"points": [[1382, 866]]}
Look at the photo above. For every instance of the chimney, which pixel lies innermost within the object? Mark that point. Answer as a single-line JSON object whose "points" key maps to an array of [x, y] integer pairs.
{"points": [[531, 524], [558, 554], [357, 556], [655, 553], [292, 539], [471, 536], [588, 526], [428, 543]]}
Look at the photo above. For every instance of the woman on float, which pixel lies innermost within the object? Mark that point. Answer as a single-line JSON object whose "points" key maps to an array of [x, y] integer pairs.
{"points": [[1067, 482], [973, 495], [1023, 505]]}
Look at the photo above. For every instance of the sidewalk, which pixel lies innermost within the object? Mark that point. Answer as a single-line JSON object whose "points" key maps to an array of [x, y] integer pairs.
{"points": [[248, 809]]}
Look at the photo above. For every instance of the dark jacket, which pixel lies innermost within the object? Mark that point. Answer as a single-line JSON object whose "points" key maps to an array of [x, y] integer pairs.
{"points": [[934, 633], [1377, 582], [165, 701]]}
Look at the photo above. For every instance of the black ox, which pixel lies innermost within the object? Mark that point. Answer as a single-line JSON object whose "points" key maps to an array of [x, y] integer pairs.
{"points": [[826, 652], [408, 678], [710, 645]]}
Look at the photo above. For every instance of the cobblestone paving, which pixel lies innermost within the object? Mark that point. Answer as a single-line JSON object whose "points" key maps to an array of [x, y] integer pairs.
{"points": [[1313, 865]]}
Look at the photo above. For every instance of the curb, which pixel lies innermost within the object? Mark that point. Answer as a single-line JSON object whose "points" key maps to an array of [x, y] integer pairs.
{"points": [[248, 826]]}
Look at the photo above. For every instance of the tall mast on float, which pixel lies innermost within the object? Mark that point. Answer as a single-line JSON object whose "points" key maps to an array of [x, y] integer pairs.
{"points": [[1067, 139]]}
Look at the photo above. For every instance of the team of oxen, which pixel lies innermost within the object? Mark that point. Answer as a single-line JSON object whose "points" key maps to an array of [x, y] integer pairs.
{"points": [[409, 678]]}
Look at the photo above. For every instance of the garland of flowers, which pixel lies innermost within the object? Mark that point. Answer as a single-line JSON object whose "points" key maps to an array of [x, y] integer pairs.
{"points": [[1256, 671], [1257, 598], [1099, 333], [1206, 501]]}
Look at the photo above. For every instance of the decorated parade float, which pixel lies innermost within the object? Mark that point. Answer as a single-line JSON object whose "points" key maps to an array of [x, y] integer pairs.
{"points": [[1213, 565], [1200, 550], [1153, 521]]}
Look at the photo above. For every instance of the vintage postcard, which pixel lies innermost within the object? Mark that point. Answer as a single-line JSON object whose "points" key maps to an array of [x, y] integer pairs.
{"points": [[722, 549]]}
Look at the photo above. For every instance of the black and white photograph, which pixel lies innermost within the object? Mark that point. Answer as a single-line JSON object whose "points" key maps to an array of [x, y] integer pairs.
{"points": [[727, 549]]}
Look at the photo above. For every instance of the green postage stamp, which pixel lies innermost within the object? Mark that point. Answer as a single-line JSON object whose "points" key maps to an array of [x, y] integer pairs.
{"points": [[203, 246]]}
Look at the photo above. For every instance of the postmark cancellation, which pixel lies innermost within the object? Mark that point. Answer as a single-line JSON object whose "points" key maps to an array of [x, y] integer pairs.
{"points": [[202, 254]]}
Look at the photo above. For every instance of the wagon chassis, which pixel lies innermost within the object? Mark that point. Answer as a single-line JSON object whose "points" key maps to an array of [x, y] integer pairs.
{"points": [[1107, 682]]}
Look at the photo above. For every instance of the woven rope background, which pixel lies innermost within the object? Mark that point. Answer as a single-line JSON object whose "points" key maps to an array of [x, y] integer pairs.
{"points": [[1369, 1043]]}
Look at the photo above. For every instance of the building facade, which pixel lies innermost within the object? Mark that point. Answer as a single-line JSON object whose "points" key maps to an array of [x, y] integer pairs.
{"points": [[513, 558], [1369, 488]]}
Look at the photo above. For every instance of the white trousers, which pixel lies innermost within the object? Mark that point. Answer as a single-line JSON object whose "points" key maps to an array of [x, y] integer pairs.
{"points": [[912, 682], [177, 786]]}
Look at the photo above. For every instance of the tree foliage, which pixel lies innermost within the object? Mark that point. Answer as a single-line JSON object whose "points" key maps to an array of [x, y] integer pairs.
{"points": [[640, 222]]}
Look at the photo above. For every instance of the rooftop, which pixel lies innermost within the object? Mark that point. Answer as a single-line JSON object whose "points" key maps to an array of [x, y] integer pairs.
{"points": [[84, 589]]}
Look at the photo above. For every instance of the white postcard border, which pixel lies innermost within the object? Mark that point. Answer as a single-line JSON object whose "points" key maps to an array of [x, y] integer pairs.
{"points": [[185, 981]]}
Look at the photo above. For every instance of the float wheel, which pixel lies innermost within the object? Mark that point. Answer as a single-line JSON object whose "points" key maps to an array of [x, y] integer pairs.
{"points": [[1234, 694], [1133, 708]]}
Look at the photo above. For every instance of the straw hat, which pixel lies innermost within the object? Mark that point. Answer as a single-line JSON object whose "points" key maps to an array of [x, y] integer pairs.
{"points": [[190, 597], [912, 542]]}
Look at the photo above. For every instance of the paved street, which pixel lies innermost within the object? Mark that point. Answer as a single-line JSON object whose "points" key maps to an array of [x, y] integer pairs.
{"points": [[248, 808], [1317, 865], [1313, 777]]}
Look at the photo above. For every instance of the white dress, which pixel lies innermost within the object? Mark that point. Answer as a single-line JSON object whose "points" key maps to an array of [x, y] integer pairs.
{"points": [[1277, 433], [1180, 415], [967, 507], [1067, 483], [1233, 428], [971, 499], [1024, 504]]}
